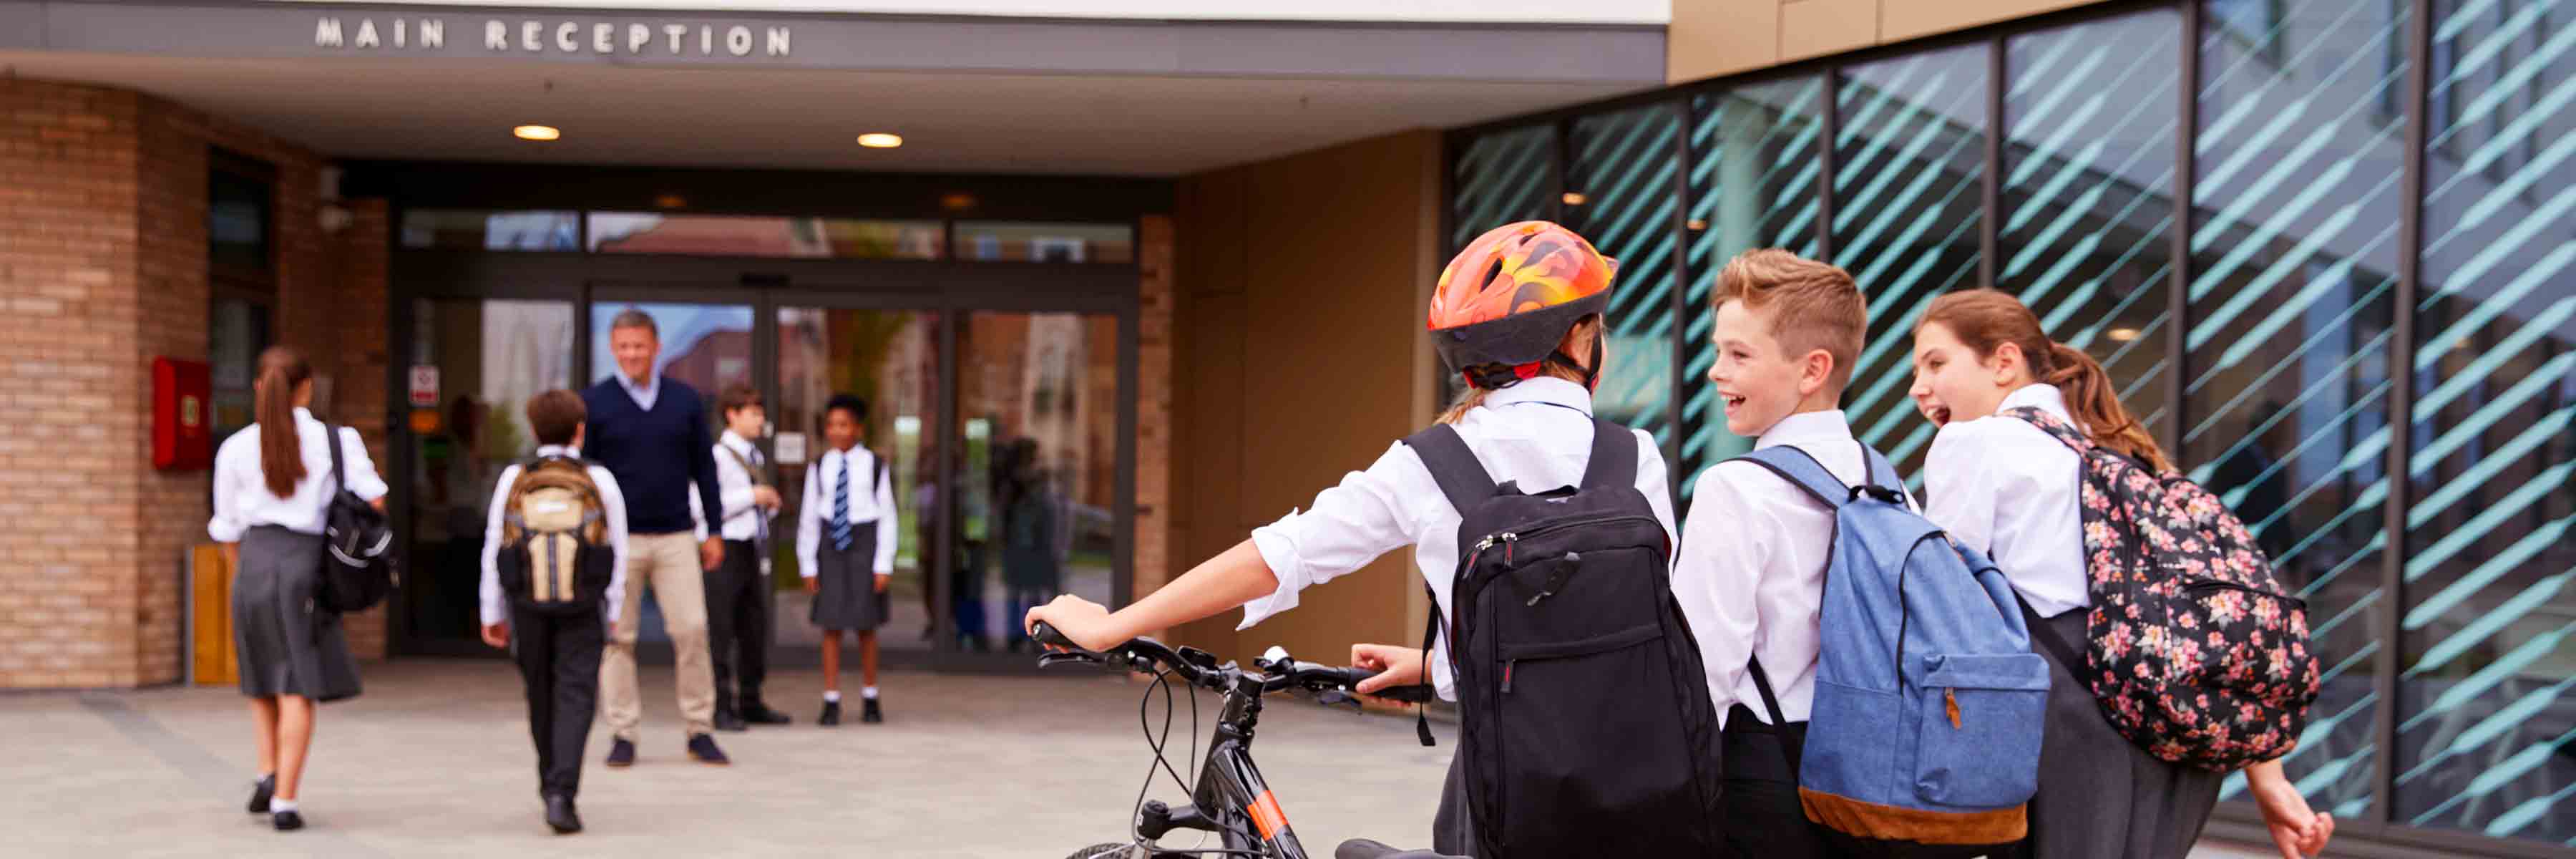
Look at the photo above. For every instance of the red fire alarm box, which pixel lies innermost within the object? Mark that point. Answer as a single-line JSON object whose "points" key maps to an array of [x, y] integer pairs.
{"points": [[182, 415]]}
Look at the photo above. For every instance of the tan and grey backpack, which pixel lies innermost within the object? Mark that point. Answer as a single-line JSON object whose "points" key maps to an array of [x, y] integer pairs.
{"points": [[555, 556]]}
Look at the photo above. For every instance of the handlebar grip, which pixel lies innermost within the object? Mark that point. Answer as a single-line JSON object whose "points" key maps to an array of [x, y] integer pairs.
{"points": [[1419, 693], [1045, 633]]}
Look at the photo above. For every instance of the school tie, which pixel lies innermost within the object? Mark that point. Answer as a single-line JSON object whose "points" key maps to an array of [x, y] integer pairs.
{"points": [[841, 507]]}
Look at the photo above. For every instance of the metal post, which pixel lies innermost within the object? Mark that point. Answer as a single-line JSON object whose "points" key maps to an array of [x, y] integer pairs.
{"points": [[2401, 410]]}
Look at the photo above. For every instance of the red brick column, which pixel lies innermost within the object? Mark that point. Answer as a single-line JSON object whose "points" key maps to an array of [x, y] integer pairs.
{"points": [[1154, 404]]}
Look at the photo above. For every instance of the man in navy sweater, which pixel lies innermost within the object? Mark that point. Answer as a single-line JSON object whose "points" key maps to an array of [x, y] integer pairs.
{"points": [[651, 432]]}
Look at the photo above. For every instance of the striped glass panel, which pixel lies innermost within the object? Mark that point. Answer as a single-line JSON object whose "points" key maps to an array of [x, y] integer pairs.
{"points": [[1910, 160], [2486, 736], [2086, 236], [1499, 178], [1625, 166], [1755, 182], [2299, 163]]}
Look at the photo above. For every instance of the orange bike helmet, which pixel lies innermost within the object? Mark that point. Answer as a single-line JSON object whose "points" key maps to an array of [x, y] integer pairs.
{"points": [[1505, 302]]}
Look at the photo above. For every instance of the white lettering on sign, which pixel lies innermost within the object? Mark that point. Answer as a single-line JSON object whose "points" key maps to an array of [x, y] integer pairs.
{"points": [[537, 37]]}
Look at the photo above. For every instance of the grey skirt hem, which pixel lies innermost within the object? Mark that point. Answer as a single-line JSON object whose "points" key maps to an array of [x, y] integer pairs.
{"points": [[282, 643], [845, 594]]}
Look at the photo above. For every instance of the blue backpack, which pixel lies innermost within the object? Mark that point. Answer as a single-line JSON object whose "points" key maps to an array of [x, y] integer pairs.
{"points": [[1924, 737]]}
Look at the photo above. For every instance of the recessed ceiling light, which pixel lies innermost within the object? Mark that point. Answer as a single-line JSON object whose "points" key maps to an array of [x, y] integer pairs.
{"points": [[958, 202], [1696, 225], [880, 140], [536, 132], [1574, 198], [2122, 335], [671, 201]]}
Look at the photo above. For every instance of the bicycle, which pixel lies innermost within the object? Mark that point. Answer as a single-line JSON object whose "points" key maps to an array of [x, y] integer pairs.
{"points": [[1232, 800]]}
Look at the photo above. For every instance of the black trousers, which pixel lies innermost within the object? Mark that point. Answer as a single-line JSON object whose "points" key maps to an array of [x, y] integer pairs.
{"points": [[738, 625], [1763, 817], [558, 656]]}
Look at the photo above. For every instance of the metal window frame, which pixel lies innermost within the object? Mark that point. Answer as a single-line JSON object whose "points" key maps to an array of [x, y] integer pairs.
{"points": [[2378, 834]]}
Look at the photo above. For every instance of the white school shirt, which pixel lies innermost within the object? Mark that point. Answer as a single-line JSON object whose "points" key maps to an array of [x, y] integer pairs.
{"points": [[242, 499], [865, 506], [645, 394], [1750, 574], [742, 520], [612, 507], [1537, 434], [2004, 487]]}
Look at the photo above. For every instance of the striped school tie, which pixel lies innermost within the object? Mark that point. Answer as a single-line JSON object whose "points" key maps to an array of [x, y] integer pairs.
{"points": [[841, 508]]}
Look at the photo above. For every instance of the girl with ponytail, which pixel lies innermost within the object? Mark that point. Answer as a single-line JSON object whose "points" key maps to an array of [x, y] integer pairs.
{"points": [[2003, 486], [273, 481]]}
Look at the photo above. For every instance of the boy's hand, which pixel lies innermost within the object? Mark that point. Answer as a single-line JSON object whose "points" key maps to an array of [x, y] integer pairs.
{"points": [[882, 580], [813, 586], [1083, 621], [765, 497], [1395, 666], [496, 634], [711, 553]]}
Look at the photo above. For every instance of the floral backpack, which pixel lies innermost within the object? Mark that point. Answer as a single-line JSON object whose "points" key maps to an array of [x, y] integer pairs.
{"points": [[2196, 653]]}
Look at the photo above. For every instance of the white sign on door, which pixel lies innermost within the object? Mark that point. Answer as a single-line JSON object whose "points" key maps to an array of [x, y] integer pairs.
{"points": [[424, 385]]}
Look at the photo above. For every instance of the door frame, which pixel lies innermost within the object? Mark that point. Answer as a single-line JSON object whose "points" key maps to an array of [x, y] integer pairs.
{"points": [[951, 289]]}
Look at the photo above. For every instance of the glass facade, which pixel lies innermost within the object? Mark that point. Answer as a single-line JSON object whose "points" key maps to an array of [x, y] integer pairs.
{"points": [[2377, 241]]}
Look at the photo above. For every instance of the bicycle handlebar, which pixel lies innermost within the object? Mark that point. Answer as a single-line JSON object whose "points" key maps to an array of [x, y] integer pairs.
{"points": [[1277, 674]]}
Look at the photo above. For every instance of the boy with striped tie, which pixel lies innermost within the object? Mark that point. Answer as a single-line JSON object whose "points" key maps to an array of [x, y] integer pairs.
{"points": [[845, 543]]}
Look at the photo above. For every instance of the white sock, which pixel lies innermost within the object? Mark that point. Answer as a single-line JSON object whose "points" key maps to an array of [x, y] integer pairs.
{"points": [[868, 692], [281, 806], [832, 696]]}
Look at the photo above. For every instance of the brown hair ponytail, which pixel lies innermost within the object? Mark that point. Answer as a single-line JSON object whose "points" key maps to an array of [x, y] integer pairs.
{"points": [[1985, 319], [281, 453], [1474, 396]]}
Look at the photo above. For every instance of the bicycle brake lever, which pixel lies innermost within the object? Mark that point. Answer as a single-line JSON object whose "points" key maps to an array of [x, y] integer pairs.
{"points": [[1052, 659], [1336, 697]]}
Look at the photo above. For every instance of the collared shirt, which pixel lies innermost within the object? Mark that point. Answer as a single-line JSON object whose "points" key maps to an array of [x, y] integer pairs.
{"points": [[645, 394], [612, 505], [742, 520], [1750, 574], [242, 499], [868, 509], [2006, 488], [1537, 434]]}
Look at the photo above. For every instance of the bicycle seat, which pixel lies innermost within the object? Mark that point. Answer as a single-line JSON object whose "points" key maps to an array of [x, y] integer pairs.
{"points": [[1362, 848]]}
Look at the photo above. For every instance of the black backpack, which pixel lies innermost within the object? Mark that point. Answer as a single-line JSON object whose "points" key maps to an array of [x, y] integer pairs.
{"points": [[357, 558], [1585, 722]]}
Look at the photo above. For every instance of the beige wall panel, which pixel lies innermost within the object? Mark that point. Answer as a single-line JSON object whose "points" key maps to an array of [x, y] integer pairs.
{"points": [[1814, 28], [1907, 19], [1715, 37]]}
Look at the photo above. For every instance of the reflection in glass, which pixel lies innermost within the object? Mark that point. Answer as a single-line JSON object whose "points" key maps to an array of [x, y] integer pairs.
{"points": [[2487, 706], [705, 346], [1036, 500], [1625, 165], [1755, 185], [1001, 241], [1497, 179], [462, 229], [888, 358], [491, 357], [2292, 299], [1909, 160], [763, 236]]}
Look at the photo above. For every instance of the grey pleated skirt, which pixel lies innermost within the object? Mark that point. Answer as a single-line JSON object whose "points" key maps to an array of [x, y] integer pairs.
{"points": [[2100, 796], [845, 591], [282, 643]]}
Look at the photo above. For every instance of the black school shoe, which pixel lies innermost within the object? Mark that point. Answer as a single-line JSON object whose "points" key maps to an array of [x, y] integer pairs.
{"points": [[831, 714], [287, 821], [702, 748], [260, 792], [870, 713], [560, 815], [728, 720], [621, 754], [758, 713]]}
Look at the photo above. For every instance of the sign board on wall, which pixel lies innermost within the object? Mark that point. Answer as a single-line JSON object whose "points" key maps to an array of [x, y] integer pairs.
{"points": [[424, 385]]}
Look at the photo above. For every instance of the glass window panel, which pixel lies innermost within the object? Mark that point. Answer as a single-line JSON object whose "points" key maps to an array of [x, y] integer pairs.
{"points": [[1499, 178], [1756, 184], [1037, 494], [462, 229], [235, 334], [2087, 233], [707, 346], [1908, 201], [2294, 261], [763, 236], [237, 221], [1626, 165], [998, 241], [491, 357], [890, 359], [2486, 731]]}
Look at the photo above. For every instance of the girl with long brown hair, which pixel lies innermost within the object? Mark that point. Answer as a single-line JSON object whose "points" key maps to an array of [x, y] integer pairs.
{"points": [[2002, 486], [272, 482]]}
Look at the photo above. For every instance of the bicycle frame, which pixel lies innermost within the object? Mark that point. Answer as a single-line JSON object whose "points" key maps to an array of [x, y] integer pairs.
{"points": [[1232, 799]]}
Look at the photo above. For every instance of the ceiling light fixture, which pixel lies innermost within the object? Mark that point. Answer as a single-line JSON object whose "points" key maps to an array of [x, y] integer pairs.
{"points": [[1574, 198], [536, 132], [880, 140], [2122, 335]]}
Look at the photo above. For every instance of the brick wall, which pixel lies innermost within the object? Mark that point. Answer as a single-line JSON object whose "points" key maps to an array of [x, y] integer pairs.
{"points": [[102, 267], [1154, 451]]}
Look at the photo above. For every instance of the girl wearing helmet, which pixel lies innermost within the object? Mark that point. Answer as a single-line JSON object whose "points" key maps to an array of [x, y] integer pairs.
{"points": [[1518, 315]]}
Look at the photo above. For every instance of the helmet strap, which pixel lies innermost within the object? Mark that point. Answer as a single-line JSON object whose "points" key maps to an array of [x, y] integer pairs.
{"points": [[1591, 372]]}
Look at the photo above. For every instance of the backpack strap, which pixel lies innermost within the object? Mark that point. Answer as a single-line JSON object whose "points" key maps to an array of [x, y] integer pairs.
{"points": [[2055, 428], [1614, 456], [1881, 472], [339, 474], [1779, 721], [1802, 471], [1453, 466]]}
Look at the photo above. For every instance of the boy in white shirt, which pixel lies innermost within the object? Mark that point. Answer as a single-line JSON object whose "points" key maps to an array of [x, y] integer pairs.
{"points": [[557, 652], [845, 543], [738, 589], [1750, 572]]}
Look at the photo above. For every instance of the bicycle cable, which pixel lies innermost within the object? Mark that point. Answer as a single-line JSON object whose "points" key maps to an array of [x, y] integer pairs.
{"points": [[1163, 682]]}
